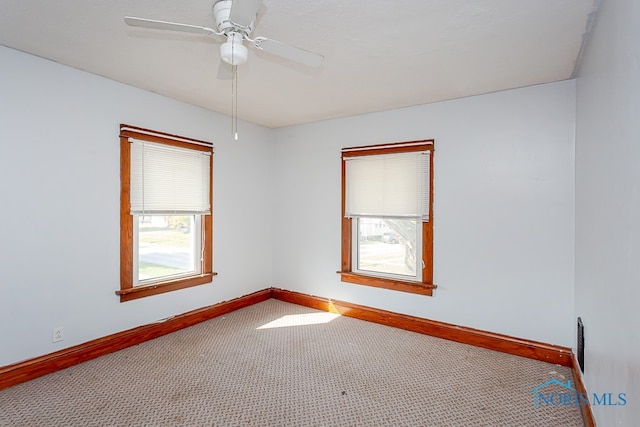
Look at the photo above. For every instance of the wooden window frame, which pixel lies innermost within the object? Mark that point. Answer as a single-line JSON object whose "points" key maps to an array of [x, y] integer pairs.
{"points": [[127, 290], [424, 287]]}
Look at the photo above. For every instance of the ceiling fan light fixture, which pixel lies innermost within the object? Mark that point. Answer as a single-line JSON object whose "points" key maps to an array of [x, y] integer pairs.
{"points": [[235, 20], [233, 51]]}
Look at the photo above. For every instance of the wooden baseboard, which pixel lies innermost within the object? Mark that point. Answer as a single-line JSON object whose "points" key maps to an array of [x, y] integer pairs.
{"points": [[503, 343], [24, 371], [585, 411]]}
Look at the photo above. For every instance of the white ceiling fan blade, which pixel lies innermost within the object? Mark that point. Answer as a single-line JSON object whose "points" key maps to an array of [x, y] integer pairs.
{"points": [[225, 71], [244, 11], [292, 53], [164, 25]]}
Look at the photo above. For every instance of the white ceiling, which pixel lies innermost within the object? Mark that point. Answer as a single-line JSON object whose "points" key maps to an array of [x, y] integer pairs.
{"points": [[379, 54]]}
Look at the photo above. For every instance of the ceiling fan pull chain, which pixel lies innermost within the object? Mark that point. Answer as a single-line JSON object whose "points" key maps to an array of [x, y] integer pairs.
{"points": [[234, 78], [235, 112]]}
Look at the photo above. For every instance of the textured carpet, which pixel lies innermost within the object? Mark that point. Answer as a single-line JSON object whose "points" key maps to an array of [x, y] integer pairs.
{"points": [[279, 364]]}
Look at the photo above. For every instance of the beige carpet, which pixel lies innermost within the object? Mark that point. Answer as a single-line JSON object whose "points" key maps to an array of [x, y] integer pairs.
{"points": [[279, 364]]}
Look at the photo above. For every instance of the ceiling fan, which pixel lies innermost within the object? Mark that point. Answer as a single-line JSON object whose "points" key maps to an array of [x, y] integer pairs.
{"points": [[235, 21]]}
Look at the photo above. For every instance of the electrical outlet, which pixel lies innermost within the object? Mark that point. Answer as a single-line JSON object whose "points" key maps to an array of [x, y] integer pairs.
{"points": [[58, 334]]}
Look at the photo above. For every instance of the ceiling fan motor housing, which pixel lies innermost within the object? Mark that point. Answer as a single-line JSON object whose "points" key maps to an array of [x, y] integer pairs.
{"points": [[222, 11]]}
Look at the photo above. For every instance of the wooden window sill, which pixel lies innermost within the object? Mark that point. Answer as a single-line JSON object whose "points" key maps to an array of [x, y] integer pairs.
{"points": [[386, 283], [162, 287]]}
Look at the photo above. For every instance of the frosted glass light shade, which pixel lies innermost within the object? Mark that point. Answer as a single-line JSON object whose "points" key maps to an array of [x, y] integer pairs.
{"points": [[234, 52]]}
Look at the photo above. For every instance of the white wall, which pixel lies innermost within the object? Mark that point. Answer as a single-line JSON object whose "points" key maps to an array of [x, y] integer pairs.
{"points": [[503, 209], [607, 289], [59, 192]]}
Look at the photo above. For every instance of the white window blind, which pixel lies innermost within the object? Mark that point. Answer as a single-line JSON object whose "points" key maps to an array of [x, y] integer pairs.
{"points": [[169, 180], [389, 185]]}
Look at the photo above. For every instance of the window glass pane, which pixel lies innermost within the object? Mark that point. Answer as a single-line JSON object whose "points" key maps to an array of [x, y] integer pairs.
{"points": [[167, 246], [387, 246]]}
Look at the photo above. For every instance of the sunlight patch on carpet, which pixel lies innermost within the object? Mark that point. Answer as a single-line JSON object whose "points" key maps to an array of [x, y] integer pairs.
{"points": [[300, 320]]}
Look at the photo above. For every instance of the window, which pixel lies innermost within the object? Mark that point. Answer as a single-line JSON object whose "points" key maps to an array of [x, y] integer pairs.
{"points": [[387, 216], [165, 212]]}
